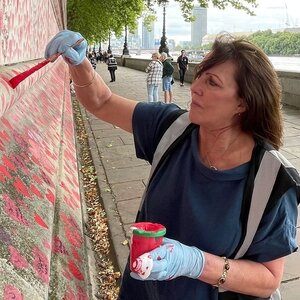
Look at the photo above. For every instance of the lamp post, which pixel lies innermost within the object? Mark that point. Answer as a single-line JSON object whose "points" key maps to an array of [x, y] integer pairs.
{"points": [[163, 41], [125, 49], [109, 48]]}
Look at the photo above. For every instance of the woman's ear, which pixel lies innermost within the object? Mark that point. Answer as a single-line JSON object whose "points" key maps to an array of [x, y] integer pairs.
{"points": [[242, 106]]}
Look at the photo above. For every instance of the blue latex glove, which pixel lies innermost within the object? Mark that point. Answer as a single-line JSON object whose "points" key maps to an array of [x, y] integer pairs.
{"points": [[173, 259], [62, 43]]}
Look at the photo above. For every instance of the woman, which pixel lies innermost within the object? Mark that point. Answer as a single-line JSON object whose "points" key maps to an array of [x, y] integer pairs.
{"points": [[167, 77], [236, 107], [154, 70]]}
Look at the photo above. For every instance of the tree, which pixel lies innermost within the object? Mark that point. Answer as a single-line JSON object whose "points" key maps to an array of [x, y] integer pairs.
{"points": [[95, 20], [187, 6], [89, 18], [280, 43]]}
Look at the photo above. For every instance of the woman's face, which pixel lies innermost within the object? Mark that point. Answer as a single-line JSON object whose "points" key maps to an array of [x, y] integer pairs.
{"points": [[215, 101]]}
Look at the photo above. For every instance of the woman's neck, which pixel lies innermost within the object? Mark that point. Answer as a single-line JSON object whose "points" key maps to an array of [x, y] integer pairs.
{"points": [[225, 148]]}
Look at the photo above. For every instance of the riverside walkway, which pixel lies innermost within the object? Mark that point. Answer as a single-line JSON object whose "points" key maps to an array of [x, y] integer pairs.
{"points": [[122, 177]]}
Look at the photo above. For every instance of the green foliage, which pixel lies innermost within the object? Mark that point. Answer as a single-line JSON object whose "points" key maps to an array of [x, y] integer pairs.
{"points": [[207, 47], [187, 6], [245, 5], [95, 20], [279, 43], [148, 20]]}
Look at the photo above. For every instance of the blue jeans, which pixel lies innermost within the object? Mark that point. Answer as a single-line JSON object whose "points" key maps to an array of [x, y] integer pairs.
{"points": [[167, 83], [181, 75], [152, 92]]}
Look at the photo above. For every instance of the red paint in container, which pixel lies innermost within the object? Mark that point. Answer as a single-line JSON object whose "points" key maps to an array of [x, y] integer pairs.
{"points": [[146, 236]]}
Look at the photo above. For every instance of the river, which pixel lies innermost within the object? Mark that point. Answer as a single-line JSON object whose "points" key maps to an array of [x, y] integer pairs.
{"points": [[286, 63], [279, 62]]}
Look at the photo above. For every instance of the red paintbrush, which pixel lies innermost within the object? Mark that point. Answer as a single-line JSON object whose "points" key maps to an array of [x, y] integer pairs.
{"points": [[14, 82]]}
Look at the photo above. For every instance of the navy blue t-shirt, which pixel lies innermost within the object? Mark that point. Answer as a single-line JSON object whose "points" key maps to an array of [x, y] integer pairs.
{"points": [[200, 207]]}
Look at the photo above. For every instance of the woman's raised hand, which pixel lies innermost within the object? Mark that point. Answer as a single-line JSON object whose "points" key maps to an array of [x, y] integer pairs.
{"points": [[71, 45]]}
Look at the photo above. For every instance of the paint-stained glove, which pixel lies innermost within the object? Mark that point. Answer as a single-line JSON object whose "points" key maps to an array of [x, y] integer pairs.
{"points": [[173, 259], [64, 43]]}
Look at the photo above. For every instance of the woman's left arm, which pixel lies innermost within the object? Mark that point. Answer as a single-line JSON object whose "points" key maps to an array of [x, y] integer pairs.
{"points": [[174, 259], [244, 276], [275, 239]]}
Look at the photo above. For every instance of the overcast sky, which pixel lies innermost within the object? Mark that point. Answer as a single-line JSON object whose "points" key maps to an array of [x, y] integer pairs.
{"points": [[270, 14]]}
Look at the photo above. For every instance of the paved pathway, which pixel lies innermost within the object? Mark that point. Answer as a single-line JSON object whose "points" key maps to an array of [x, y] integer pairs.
{"points": [[122, 177]]}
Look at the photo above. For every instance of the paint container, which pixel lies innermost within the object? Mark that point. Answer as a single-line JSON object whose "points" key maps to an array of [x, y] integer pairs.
{"points": [[145, 237]]}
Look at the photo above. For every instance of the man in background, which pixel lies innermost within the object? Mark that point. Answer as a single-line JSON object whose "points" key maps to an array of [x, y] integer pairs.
{"points": [[182, 65]]}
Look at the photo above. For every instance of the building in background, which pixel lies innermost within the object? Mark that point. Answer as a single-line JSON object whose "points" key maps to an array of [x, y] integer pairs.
{"points": [[171, 44], [199, 26], [134, 40], [148, 37]]}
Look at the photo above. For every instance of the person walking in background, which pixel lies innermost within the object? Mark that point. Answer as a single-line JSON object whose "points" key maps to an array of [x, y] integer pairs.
{"points": [[105, 57], [154, 70], [101, 56], [98, 56], [167, 77], [112, 67], [93, 60], [182, 65], [236, 131]]}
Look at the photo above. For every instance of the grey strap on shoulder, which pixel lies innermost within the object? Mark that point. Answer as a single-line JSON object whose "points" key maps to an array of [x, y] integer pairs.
{"points": [[174, 131], [263, 185]]}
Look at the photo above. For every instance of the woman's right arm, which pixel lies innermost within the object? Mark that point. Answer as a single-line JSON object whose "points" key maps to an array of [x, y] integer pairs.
{"points": [[90, 89], [98, 99]]}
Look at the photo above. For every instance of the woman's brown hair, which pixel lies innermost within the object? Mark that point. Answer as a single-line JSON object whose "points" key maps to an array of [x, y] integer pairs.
{"points": [[258, 86]]}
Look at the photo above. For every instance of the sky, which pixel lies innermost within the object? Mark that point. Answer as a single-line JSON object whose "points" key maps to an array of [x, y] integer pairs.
{"points": [[270, 14]]}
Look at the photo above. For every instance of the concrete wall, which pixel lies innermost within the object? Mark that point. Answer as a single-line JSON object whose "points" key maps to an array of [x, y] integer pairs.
{"points": [[290, 81], [42, 243]]}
